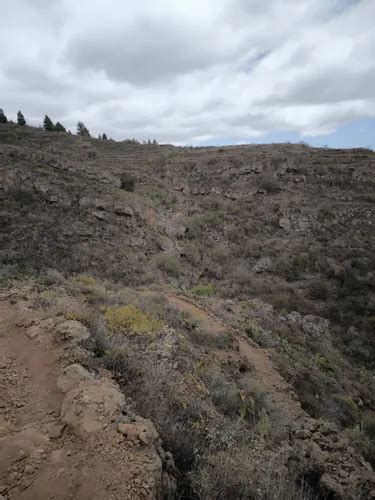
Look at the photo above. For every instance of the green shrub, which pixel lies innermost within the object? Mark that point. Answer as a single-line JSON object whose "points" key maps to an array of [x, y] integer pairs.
{"points": [[346, 410], [263, 337], [169, 264], [369, 425], [127, 182], [203, 290], [129, 319]]}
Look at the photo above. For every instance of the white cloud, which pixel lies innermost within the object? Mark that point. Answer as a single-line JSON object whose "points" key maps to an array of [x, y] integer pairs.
{"points": [[187, 71]]}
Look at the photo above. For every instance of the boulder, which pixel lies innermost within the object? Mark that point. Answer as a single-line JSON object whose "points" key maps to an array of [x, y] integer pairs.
{"points": [[73, 330], [91, 406], [71, 377]]}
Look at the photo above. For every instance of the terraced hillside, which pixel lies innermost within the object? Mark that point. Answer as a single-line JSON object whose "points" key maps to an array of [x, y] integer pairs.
{"points": [[275, 242]]}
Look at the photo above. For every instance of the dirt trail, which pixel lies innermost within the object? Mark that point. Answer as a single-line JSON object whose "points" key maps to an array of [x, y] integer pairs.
{"points": [[60, 443], [29, 371], [264, 370]]}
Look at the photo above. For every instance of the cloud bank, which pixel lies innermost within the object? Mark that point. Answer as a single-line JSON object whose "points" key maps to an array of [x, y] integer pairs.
{"points": [[189, 71]]}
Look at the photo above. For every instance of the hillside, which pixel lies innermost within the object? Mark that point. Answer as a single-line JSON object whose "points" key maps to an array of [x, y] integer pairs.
{"points": [[229, 291]]}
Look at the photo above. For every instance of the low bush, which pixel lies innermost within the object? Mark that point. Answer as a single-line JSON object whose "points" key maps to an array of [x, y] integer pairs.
{"points": [[247, 472], [203, 290], [344, 410], [169, 264], [128, 319], [84, 279], [268, 184], [53, 277], [369, 425], [127, 182], [318, 290]]}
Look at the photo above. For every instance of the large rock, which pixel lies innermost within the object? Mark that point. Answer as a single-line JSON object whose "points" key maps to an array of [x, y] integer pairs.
{"points": [[91, 406], [71, 377], [73, 330]]}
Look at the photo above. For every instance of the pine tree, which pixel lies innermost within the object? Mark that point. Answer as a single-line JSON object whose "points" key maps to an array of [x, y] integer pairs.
{"points": [[21, 119], [104, 137], [3, 118], [59, 127], [82, 130], [48, 124]]}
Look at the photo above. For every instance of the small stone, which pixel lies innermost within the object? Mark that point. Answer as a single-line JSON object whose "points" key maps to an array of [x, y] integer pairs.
{"points": [[13, 478], [146, 438], [29, 469], [56, 456], [21, 455], [55, 430], [73, 330], [33, 331], [131, 431]]}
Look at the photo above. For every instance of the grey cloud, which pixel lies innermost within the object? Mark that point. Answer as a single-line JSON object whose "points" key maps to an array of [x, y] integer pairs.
{"points": [[189, 70], [147, 51]]}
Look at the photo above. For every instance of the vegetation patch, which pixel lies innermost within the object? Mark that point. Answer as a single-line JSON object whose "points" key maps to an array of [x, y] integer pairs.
{"points": [[203, 290], [129, 318], [84, 279]]}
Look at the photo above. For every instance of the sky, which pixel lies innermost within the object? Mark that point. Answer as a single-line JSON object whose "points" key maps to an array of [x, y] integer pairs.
{"points": [[194, 72]]}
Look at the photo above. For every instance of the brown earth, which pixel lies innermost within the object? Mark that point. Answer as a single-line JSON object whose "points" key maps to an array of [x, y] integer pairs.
{"points": [[56, 446]]}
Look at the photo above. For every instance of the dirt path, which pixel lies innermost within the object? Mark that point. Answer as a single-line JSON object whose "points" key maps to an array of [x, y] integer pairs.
{"points": [[29, 372], [59, 441], [277, 389]]}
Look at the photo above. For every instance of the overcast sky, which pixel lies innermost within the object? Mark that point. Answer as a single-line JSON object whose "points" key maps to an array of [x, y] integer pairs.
{"points": [[193, 71]]}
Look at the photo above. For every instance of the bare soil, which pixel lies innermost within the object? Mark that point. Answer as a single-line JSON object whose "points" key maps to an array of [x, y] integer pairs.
{"points": [[40, 457]]}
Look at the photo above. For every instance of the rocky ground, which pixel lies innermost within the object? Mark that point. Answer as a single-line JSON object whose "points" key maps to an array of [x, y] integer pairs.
{"points": [[66, 433], [247, 278]]}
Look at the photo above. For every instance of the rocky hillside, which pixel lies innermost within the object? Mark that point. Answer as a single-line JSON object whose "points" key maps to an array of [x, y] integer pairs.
{"points": [[247, 275]]}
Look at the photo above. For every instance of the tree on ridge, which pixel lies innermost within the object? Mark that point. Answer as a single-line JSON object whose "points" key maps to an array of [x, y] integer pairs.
{"points": [[3, 118], [59, 127], [48, 124], [21, 119], [82, 130]]}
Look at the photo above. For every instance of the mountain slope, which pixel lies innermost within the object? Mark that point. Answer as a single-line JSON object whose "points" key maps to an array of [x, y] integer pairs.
{"points": [[275, 241]]}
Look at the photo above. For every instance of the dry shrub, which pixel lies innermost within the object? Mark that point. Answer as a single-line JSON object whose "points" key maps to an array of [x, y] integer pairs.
{"points": [[84, 279], [225, 395], [247, 472], [53, 277], [169, 264]]}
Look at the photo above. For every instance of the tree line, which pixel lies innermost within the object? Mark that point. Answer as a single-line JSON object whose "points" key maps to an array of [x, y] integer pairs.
{"points": [[49, 126]]}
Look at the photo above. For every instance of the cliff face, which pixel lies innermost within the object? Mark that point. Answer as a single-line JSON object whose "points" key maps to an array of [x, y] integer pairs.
{"points": [[276, 241]]}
